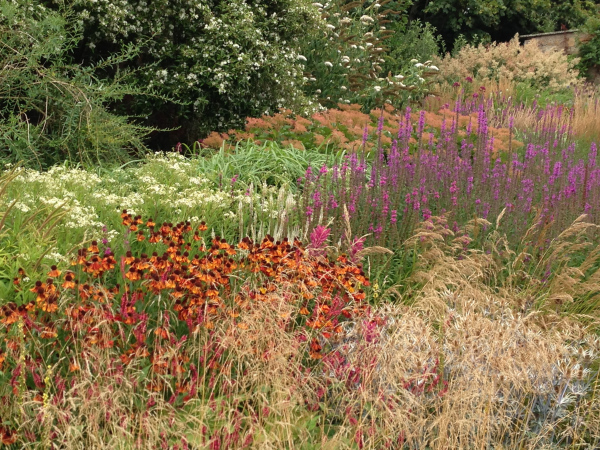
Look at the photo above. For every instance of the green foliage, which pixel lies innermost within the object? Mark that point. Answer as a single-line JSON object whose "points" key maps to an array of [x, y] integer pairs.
{"points": [[589, 51], [52, 109], [416, 40], [349, 63], [527, 94], [225, 60], [270, 163], [497, 20]]}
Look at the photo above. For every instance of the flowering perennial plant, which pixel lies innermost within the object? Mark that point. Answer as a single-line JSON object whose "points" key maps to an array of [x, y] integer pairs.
{"points": [[146, 310], [346, 63], [470, 168], [511, 61], [343, 128]]}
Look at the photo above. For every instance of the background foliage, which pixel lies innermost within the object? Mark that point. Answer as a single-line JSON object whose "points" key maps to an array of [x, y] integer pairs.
{"points": [[500, 20], [52, 109], [225, 60]]}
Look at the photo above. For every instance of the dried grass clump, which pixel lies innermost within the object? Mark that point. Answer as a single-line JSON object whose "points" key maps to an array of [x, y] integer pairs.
{"points": [[513, 62], [476, 360]]}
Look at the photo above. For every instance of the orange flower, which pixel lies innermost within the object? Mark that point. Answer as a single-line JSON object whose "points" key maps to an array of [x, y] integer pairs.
{"points": [[8, 437], [48, 333], [202, 226], [94, 247], [69, 282], [49, 304], [133, 274], [315, 349], [54, 272], [129, 258], [162, 332]]}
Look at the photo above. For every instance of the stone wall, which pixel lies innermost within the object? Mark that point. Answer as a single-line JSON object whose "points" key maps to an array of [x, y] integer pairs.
{"points": [[565, 40]]}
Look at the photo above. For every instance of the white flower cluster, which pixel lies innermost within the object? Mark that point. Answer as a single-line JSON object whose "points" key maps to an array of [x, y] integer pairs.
{"points": [[168, 182], [229, 47]]}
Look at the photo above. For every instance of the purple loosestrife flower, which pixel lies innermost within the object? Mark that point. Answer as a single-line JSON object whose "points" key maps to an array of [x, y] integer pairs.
{"points": [[593, 155], [453, 190], [394, 216], [378, 231], [365, 135], [317, 199], [356, 246], [333, 204], [308, 173], [421, 122]]}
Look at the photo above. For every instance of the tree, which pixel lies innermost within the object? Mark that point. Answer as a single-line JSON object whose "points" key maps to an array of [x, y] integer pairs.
{"points": [[500, 20], [219, 60]]}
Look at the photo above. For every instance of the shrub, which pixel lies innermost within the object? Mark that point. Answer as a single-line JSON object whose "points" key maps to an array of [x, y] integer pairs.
{"points": [[417, 40], [511, 61], [52, 109], [347, 63], [347, 129], [589, 51], [225, 60]]}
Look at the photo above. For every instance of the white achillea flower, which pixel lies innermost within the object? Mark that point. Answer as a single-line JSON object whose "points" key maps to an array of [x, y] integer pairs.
{"points": [[328, 64], [56, 257], [22, 207]]}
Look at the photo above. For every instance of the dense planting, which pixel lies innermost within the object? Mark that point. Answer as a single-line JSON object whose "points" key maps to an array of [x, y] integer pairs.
{"points": [[374, 248]]}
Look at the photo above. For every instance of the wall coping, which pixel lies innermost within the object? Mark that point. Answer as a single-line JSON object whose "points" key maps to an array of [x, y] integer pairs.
{"points": [[553, 33]]}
